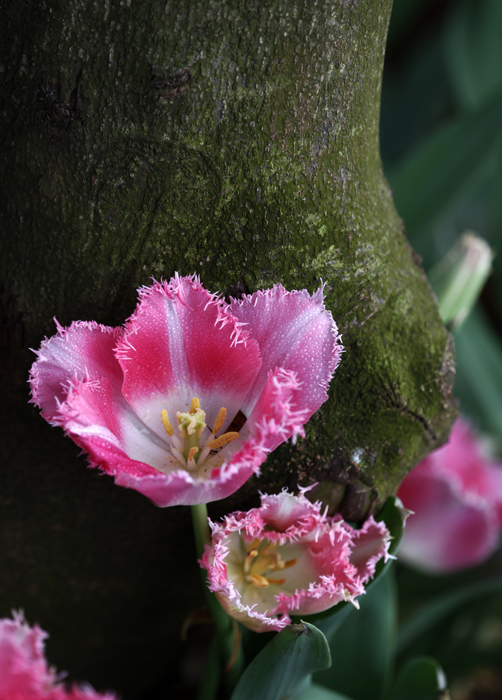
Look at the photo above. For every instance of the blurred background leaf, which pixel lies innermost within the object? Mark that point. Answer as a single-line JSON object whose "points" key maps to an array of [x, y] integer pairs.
{"points": [[441, 126], [318, 692], [442, 170], [441, 139], [362, 647], [420, 679], [473, 51], [479, 372], [456, 618]]}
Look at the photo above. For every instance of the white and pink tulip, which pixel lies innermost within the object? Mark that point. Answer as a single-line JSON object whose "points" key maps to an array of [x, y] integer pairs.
{"points": [[185, 402], [24, 671], [287, 557], [455, 495]]}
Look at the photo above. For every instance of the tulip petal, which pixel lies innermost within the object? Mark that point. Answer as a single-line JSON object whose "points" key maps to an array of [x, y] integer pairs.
{"points": [[117, 392], [22, 664], [369, 544], [276, 421], [295, 332], [82, 351], [444, 533], [182, 343], [455, 495], [305, 557], [111, 433], [24, 671], [278, 415], [289, 517], [181, 488]]}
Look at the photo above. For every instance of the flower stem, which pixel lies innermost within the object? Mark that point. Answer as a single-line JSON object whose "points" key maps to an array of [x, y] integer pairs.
{"points": [[227, 631], [200, 528], [211, 680]]}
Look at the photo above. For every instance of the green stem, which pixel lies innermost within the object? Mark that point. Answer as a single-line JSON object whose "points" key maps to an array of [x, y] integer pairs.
{"points": [[226, 628], [200, 528], [211, 681]]}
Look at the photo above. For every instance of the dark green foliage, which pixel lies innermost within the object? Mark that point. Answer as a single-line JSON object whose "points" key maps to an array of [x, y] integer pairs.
{"points": [[443, 157], [283, 668], [421, 679], [362, 647]]}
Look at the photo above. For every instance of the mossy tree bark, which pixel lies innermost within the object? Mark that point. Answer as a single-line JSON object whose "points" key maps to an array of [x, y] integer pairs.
{"points": [[238, 140]]}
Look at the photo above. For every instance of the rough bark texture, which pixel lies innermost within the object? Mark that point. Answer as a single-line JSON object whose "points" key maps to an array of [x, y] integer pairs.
{"points": [[238, 140]]}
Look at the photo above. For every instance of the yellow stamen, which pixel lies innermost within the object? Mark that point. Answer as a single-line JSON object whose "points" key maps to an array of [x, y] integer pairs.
{"points": [[223, 440], [167, 423], [288, 564], [258, 581], [248, 560], [269, 550], [263, 564], [220, 419], [262, 561], [191, 425]]}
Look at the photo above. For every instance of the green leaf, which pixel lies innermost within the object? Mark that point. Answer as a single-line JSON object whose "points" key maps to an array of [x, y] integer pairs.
{"points": [[474, 50], [403, 15], [330, 620], [318, 692], [394, 515], [460, 627], [361, 649], [479, 379], [282, 669], [442, 170], [406, 116], [432, 613], [421, 679]]}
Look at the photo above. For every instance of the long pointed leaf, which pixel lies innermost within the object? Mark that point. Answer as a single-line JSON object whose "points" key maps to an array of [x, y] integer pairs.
{"points": [[318, 692], [441, 168], [284, 666], [362, 647], [479, 375], [432, 613]]}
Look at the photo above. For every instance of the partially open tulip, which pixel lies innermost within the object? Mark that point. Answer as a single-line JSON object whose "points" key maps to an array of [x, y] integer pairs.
{"points": [[287, 557], [456, 497], [185, 402], [24, 672]]}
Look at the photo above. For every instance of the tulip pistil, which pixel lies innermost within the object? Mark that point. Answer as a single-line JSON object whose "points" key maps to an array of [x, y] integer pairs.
{"points": [[187, 449], [262, 560]]}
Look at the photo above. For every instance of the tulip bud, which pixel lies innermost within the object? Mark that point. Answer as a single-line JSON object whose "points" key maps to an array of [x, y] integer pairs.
{"points": [[459, 278]]}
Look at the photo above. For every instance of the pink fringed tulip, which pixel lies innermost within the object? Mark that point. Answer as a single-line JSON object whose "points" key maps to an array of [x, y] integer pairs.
{"points": [[185, 402], [24, 673], [455, 495], [288, 557]]}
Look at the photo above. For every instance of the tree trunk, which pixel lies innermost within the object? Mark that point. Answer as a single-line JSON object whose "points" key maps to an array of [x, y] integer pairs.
{"points": [[238, 140]]}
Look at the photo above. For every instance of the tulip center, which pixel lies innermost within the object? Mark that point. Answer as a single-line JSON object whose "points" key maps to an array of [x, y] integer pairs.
{"points": [[262, 562], [187, 448]]}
